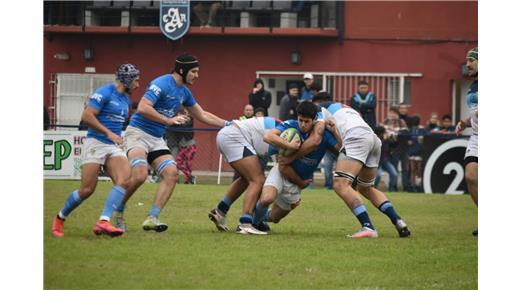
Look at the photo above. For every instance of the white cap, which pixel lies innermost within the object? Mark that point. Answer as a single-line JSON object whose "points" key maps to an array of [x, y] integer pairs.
{"points": [[308, 76]]}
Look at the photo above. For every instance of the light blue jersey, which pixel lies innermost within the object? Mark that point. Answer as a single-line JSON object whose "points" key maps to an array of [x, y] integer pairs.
{"points": [[113, 111], [306, 165], [166, 97]]}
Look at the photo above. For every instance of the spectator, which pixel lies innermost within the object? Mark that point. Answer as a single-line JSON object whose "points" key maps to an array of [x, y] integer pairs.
{"points": [[417, 133], [403, 113], [259, 97], [399, 132], [385, 162], [206, 12], [288, 103], [433, 122], [306, 91], [260, 112], [446, 126], [249, 112], [46, 119], [181, 143], [365, 102]]}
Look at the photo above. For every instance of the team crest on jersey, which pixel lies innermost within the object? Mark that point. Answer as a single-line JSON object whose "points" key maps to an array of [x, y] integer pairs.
{"points": [[174, 18]]}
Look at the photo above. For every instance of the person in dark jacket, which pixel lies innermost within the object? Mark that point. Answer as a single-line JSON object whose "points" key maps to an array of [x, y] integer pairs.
{"points": [[365, 102], [288, 103], [259, 97]]}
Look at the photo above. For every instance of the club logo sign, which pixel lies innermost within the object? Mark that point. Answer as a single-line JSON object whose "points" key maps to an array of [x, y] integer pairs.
{"points": [[444, 168], [174, 18]]}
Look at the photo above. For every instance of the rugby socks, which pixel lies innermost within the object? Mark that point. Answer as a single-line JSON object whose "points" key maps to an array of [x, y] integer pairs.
{"points": [[361, 214], [70, 204], [224, 205], [388, 209], [155, 211], [246, 219], [260, 214], [114, 199], [121, 207]]}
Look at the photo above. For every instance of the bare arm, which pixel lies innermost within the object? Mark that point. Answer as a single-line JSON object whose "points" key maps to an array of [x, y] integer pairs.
{"points": [[312, 142], [331, 126], [206, 117], [273, 137], [90, 118], [287, 171], [463, 124], [146, 109]]}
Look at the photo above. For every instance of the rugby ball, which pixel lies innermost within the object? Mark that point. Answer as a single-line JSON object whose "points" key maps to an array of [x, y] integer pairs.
{"points": [[289, 134]]}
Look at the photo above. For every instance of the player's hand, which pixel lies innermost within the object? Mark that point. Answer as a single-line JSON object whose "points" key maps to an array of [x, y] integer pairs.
{"points": [[305, 183], [295, 144], [330, 124], [178, 120], [115, 138], [460, 127]]}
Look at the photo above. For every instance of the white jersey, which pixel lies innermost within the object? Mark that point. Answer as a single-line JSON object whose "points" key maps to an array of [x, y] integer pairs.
{"points": [[254, 130], [346, 118]]}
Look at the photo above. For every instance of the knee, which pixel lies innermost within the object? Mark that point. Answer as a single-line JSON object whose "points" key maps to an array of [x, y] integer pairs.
{"points": [[341, 183], [170, 176], [258, 180], [139, 177]]}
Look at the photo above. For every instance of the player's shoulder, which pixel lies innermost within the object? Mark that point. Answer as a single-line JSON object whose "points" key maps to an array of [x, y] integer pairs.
{"points": [[105, 90]]}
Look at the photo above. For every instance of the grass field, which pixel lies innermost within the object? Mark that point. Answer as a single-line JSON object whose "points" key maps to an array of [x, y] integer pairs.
{"points": [[307, 250]]}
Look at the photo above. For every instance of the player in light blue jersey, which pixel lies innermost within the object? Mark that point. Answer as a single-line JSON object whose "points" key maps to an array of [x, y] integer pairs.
{"points": [[284, 183], [471, 157], [241, 144], [105, 115], [144, 135]]}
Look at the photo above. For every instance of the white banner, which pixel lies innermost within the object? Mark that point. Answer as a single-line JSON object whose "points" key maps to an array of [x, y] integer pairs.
{"points": [[62, 154]]}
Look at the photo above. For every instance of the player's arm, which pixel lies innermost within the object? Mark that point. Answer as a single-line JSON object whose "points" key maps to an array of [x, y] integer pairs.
{"points": [[206, 117], [273, 137], [331, 126], [89, 117], [288, 171], [146, 109], [312, 142], [463, 124]]}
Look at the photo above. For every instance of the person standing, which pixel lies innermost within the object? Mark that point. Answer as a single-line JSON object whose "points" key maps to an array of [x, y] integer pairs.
{"points": [[105, 115], [144, 135], [471, 157], [259, 97], [306, 92], [365, 102], [288, 104]]}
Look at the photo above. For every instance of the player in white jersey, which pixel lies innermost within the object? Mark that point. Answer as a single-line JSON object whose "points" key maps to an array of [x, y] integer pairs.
{"points": [[358, 159], [241, 144], [471, 157]]}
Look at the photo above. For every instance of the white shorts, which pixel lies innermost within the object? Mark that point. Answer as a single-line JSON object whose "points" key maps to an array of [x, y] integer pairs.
{"points": [[135, 137], [472, 149], [232, 144], [363, 145], [288, 192], [95, 151]]}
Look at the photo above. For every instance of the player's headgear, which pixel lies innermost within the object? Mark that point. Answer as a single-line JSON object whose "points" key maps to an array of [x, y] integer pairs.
{"points": [[126, 74], [184, 63], [473, 53]]}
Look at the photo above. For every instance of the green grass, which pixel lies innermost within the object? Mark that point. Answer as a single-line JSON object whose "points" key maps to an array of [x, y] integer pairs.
{"points": [[307, 250]]}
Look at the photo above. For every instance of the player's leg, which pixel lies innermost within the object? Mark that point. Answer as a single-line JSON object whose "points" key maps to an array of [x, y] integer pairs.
{"points": [[345, 173], [218, 214], [249, 168], [277, 213], [89, 175], [366, 187], [138, 173], [269, 194], [118, 168], [164, 165], [471, 175]]}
